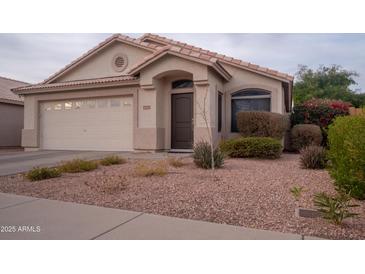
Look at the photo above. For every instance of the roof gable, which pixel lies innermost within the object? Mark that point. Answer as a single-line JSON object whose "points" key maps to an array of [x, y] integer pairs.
{"points": [[220, 57], [147, 47], [175, 51]]}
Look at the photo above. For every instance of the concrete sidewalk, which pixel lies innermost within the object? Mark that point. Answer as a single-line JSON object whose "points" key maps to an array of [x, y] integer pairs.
{"points": [[31, 218]]}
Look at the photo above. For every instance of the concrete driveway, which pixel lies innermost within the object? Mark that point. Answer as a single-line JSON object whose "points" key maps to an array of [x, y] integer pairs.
{"points": [[20, 161]]}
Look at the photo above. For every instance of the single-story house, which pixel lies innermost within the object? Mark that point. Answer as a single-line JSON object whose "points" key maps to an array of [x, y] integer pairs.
{"points": [[150, 93], [11, 113]]}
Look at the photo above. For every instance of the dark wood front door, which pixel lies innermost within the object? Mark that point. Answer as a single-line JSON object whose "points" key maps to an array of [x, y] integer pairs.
{"points": [[182, 121]]}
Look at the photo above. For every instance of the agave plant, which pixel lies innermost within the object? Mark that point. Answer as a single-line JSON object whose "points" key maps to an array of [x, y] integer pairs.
{"points": [[335, 208], [297, 192]]}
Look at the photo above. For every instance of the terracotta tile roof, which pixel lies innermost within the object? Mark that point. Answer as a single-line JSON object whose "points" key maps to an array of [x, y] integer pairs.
{"points": [[202, 53], [6, 94], [104, 80], [203, 58], [173, 46], [137, 42]]}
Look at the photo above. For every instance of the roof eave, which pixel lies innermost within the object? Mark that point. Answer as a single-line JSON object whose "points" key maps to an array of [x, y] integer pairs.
{"points": [[282, 79], [77, 86], [225, 74], [12, 102]]}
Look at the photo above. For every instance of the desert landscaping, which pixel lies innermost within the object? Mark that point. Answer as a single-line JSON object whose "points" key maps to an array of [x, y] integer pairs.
{"points": [[253, 193]]}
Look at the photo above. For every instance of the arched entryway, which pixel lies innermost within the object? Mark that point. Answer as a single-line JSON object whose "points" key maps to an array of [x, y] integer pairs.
{"points": [[176, 96]]}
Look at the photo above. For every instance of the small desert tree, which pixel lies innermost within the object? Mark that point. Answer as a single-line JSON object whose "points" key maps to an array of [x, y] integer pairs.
{"points": [[203, 113]]}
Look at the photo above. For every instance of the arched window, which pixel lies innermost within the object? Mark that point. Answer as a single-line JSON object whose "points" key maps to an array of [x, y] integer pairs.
{"points": [[182, 84], [249, 100]]}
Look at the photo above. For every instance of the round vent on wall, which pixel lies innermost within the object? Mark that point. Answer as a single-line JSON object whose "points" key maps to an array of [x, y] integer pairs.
{"points": [[120, 62]]}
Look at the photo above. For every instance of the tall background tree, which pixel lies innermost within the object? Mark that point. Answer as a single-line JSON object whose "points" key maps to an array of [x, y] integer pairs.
{"points": [[331, 82]]}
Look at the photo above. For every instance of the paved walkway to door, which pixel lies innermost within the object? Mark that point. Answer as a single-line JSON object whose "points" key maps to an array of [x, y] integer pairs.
{"points": [[31, 218]]}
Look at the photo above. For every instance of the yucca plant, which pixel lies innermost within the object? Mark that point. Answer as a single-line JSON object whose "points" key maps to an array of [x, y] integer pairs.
{"points": [[203, 156], [313, 157], [335, 208]]}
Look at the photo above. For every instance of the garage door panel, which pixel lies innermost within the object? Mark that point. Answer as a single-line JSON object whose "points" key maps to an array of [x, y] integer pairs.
{"points": [[83, 125]]}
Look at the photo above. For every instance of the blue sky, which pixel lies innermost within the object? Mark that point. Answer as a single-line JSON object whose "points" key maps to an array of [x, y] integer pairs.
{"points": [[33, 57]]}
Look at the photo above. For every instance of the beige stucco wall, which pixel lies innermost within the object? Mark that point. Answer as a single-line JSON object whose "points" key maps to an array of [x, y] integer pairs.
{"points": [[11, 124], [101, 64], [216, 86], [170, 64], [30, 133]]}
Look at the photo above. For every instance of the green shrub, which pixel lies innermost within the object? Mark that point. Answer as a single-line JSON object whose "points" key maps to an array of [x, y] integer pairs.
{"points": [[305, 135], [203, 156], [346, 137], [42, 173], [257, 147], [336, 208], [112, 160], [320, 112], [262, 124], [78, 165], [313, 157]]}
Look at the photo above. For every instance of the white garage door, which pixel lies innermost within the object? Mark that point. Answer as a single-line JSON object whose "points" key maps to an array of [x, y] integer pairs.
{"points": [[104, 124]]}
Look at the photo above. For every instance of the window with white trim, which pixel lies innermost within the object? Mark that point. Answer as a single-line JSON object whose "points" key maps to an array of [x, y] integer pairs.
{"points": [[68, 105], [102, 103], [58, 106], [115, 102], [249, 100]]}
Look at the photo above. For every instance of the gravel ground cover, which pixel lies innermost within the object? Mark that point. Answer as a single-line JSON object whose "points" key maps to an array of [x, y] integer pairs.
{"points": [[246, 192]]}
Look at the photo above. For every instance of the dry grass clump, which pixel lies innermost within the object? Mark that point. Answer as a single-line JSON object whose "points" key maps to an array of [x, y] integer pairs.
{"points": [[175, 162], [113, 160], [109, 185], [153, 169], [78, 165]]}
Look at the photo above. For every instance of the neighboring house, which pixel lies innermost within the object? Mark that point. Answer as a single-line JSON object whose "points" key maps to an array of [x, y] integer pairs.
{"points": [[147, 94], [11, 113]]}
